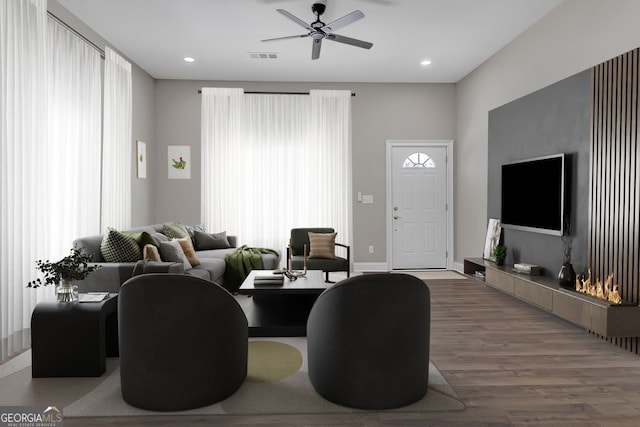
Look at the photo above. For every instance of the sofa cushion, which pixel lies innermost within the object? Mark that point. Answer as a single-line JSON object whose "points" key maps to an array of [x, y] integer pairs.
{"points": [[91, 246], [322, 245], [175, 230], [189, 252], [206, 241], [146, 267], [270, 261], [199, 272], [214, 253], [117, 247], [191, 229], [213, 267], [172, 251]]}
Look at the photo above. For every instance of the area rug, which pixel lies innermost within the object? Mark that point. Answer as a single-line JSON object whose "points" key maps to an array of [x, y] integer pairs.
{"points": [[277, 383]]}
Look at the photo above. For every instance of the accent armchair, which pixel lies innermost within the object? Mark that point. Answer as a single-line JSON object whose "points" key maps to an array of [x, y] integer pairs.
{"points": [[183, 342], [327, 261], [368, 341]]}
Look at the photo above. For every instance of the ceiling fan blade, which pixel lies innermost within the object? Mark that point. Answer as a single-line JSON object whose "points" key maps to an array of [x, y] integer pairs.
{"points": [[286, 37], [295, 19], [341, 22], [315, 48], [349, 41]]}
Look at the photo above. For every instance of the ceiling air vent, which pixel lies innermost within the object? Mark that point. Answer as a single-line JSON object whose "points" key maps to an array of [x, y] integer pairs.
{"points": [[263, 55]]}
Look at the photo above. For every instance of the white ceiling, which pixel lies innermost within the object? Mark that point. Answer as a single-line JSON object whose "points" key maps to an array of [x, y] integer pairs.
{"points": [[456, 35]]}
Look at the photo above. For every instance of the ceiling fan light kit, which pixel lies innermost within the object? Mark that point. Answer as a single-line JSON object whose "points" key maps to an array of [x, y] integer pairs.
{"points": [[319, 31]]}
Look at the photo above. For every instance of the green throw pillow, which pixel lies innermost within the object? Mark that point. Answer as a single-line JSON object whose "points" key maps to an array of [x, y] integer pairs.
{"points": [[175, 230], [117, 247], [142, 238]]}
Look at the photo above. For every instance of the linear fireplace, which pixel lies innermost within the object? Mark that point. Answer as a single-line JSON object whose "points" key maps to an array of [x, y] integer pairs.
{"points": [[609, 292]]}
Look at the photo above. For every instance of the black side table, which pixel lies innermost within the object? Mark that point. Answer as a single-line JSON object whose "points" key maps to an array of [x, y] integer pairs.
{"points": [[72, 339]]}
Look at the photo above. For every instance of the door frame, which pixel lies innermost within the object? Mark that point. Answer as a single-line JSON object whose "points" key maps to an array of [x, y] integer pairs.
{"points": [[448, 144]]}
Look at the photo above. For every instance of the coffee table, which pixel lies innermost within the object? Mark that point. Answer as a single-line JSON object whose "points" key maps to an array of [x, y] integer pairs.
{"points": [[280, 310]]}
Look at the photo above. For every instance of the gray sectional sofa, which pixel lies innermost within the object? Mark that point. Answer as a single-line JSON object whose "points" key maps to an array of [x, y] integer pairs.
{"points": [[112, 275]]}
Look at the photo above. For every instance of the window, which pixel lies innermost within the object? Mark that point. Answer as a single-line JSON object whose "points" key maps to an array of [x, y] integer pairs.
{"points": [[267, 135], [418, 160]]}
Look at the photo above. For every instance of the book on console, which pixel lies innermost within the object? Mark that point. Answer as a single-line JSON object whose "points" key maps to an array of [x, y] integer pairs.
{"points": [[268, 276], [266, 282], [525, 268], [93, 297]]}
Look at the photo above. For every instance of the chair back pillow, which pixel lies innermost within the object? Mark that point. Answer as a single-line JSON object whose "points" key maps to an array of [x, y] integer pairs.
{"points": [[322, 245]]}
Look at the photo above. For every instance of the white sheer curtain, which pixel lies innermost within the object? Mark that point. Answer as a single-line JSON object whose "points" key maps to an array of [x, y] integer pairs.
{"points": [[49, 157], [23, 165], [331, 133], [274, 162], [75, 126], [117, 142]]}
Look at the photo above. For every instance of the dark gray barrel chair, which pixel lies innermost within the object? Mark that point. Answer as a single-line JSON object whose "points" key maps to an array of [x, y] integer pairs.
{"points": [[295, 253], [183, 342], [368, 341]]}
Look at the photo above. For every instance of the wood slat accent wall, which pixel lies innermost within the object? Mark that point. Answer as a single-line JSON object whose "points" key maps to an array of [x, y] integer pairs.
{"points": [[614, 226]]}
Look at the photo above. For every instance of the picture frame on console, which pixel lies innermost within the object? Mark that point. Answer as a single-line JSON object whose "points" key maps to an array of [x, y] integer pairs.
{"points": [[494, 231]]}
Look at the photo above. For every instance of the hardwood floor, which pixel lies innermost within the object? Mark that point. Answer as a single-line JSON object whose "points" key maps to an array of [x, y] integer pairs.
{"points": [[511, 363]]}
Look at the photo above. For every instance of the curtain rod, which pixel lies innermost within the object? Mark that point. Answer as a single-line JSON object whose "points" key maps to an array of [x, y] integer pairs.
{"points": [[277, 93], [74, 31]]}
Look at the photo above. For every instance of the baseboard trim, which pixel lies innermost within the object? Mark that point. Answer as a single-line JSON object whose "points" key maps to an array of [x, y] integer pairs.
{"points": [[370, 266], [382, 266], [459, 267]]}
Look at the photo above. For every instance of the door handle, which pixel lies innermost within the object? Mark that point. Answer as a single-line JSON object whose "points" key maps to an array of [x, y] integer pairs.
{"points": [[396, 217]]}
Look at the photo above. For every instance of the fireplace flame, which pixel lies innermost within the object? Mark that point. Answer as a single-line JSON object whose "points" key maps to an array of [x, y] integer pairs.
{"points": [[596, 290]]}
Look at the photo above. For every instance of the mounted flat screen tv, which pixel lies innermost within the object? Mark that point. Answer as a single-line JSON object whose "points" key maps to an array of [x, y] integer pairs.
{"points": [[533, 194]]}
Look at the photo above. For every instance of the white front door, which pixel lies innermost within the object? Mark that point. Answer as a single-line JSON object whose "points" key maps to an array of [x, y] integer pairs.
{"points": [[419, 207]]}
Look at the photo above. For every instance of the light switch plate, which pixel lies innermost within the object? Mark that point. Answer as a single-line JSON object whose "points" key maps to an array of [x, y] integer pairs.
{"points": [[367, 198]]}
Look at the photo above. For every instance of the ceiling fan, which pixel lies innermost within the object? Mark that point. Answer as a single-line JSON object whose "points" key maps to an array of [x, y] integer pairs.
{"points": [[318, 30]]}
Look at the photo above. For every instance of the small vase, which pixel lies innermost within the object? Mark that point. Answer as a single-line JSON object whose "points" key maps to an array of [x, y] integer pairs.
{"points": [[499, 261], [66, 292], [567, 276]]}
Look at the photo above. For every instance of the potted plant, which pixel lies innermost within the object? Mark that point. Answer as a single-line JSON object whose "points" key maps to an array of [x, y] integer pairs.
{"points": [[74, 266], [500, 253]]}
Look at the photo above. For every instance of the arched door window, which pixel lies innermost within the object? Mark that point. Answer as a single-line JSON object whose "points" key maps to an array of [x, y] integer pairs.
{"points": [[418, 160]]}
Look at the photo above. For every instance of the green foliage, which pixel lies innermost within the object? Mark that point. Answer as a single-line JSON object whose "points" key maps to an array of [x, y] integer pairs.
{"points": [[500, 252], [179, 164], [72, 267]]}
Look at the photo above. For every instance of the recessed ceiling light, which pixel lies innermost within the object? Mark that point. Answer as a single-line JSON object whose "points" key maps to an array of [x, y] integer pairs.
{"points": [[425, 62], [189, 59]]}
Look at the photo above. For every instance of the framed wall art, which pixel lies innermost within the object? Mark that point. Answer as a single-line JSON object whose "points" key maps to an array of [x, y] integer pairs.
{"points": [[141, 159], [179, 161]]}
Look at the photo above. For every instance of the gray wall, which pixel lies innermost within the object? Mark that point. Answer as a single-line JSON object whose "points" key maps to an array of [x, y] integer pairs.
{"points": [[143, 129], [573, 37], [553, 120], [379, 112]]}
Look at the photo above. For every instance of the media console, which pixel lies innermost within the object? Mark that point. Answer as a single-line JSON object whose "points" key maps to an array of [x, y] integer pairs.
{"points": [[544, 292]]}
